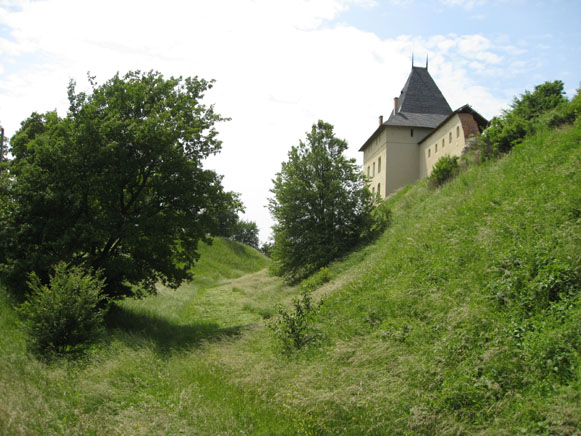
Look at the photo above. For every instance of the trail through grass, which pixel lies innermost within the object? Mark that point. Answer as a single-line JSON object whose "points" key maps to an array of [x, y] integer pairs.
{"points": [[462, 319]]}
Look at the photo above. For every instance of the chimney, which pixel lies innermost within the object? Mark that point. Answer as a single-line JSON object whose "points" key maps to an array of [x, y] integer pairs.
{"points": [[380, 120], [395, 102]]}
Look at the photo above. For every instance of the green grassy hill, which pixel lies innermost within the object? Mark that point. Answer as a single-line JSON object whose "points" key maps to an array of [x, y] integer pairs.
{"points": [[463, 318]]}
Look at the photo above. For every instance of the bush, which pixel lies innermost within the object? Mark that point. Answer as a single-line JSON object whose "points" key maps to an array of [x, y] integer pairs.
{"points": [[292, 328], [67, 315], [546, 101], [445, 169], [380, 220], [316, 280]]}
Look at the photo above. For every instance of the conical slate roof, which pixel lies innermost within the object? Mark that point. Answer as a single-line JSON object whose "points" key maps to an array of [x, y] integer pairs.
{"points": [[421, 103]]}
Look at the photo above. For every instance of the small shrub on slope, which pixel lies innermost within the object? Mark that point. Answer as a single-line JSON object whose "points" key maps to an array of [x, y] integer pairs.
{"points": [[379, 220], [66, 315], [293, 328], [445, 169]]}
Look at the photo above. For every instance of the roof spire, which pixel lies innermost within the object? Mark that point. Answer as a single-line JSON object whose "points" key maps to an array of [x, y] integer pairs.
{"points": [[426, 61], [412, 59]]}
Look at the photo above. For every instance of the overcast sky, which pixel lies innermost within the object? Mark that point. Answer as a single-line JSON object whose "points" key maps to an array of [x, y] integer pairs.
{"points": [[281, 65]]}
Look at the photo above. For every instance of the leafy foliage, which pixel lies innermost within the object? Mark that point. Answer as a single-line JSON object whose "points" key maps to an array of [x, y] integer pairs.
{"points": [[66, 315], [320, 204], [117, 184], [293, 328], [379, 219], [445, 169], [314, 281], [227, 218], [246, 232], [231, 226], [513, 125]]}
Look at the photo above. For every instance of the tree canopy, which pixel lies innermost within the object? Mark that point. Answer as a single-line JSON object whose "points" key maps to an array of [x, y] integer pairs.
{"points": [[320, 204], [117, 184]]}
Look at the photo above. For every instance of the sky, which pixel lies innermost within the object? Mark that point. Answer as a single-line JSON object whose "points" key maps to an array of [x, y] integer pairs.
{"points": [[281, 65]]}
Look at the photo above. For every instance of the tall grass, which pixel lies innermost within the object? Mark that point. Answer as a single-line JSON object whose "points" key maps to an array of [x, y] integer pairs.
{"points": [[152, 375], [463, 318]]}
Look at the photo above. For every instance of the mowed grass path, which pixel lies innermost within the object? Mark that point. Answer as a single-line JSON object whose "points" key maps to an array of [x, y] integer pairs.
{"points": [[153, 374], [437, 328]]}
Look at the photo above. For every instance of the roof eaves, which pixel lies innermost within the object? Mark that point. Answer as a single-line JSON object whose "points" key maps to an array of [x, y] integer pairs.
{"points": [[373, 136], [482, 122]]}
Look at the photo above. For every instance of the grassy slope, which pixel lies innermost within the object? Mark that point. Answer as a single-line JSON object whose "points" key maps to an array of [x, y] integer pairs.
{"points": [[424, 332]]}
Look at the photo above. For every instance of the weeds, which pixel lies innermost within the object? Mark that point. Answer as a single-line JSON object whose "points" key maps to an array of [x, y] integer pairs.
{"points": [[293, 328]]}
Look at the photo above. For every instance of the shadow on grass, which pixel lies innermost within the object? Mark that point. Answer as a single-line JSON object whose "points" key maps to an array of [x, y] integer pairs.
{"points": [[167, 336]]}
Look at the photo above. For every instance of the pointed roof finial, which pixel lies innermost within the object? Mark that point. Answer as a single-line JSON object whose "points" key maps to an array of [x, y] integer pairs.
{"points": [[426, 61], [412, 58]]}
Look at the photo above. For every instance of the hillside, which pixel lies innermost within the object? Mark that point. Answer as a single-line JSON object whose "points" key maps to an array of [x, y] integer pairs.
{"points": [[463, 318]]}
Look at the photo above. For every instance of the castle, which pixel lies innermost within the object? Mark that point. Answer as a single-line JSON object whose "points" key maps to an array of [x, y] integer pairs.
{"points": [[420, 130]]}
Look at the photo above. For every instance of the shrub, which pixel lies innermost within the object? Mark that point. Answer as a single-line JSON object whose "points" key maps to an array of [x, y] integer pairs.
{"points": [[546, 101], [381, 219], [445, 169], [66, 315], [292, 328], [316, 280]]}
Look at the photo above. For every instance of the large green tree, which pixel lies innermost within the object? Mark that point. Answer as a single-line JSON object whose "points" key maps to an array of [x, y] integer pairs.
{"points": [[117, 184], [320, 204]]}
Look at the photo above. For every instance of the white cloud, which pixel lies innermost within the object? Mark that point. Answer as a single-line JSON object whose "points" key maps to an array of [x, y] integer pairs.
{"points": [[279, 65]]}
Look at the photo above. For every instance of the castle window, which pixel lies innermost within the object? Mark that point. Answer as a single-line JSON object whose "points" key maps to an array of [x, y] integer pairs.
{"points": [[373, 190], [367, 170], [443, 142], [436, 148], [373, 169], [379, 165], [411, 132], [450, 138], [379, 188], [457, 131], [429, 152]]}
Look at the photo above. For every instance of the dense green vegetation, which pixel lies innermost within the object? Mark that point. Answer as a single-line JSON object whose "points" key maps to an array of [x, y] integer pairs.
{"points": [[116, 185], [320, 205], [463, 318]]}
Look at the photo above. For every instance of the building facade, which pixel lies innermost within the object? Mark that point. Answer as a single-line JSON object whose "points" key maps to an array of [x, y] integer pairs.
{"points": [[420, 130]]}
